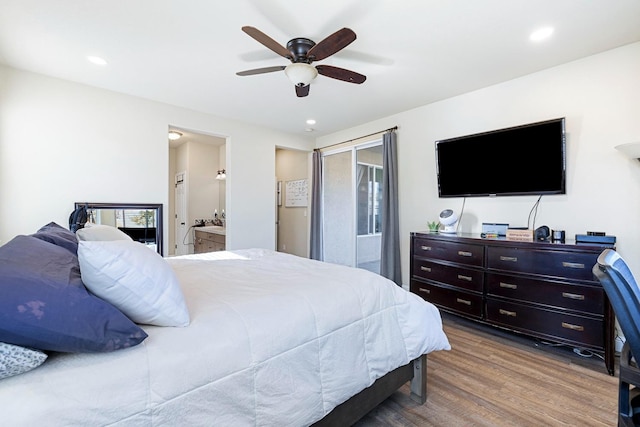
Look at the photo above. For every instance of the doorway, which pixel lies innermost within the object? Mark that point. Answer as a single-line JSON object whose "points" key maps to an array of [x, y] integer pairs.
{"points": [[194, 192], [292, 219]]}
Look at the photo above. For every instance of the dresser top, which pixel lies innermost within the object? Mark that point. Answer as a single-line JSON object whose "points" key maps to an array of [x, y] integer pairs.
{"points": [[212, 229], [502, 241]]}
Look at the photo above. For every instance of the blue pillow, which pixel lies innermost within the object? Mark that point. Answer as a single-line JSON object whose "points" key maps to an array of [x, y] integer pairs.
{"points": [[60, 236], [44, 304]]}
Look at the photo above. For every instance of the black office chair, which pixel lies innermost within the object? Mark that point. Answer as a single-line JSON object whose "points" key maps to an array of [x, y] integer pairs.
{"points": [[623, 292]]}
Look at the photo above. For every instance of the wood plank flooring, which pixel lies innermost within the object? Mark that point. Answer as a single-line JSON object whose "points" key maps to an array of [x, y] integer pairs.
{"points": [[492, 378]]}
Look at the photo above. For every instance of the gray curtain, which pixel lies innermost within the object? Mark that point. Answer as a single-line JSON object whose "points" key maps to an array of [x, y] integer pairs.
{"points": [[315, 237], [390, 250]]}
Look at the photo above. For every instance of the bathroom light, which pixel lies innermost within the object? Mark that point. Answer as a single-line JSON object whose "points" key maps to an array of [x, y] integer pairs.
{"points": [[311, 122], [222, 175], [301, 74], [173, 135]]}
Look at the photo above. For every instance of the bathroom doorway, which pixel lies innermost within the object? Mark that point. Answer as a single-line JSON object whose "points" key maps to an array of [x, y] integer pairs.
{"points": [[199, 157]]}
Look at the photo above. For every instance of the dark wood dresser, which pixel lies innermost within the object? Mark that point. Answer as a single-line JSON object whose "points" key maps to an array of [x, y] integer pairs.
{"points": [[545, 290]]}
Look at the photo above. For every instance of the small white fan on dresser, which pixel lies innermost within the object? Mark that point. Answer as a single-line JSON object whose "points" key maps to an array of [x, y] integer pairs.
{"points": [[449, 219]]}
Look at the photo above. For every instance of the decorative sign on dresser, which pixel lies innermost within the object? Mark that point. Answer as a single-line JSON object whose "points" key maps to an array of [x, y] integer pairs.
{"points": [[541, 289]]}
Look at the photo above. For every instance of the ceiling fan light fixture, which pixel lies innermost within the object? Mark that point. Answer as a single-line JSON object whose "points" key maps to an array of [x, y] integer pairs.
{"points": [[301, 74]]}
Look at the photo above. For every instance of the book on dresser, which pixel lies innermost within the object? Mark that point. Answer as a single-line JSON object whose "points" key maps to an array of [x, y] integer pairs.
{"points": [[540, 289]]}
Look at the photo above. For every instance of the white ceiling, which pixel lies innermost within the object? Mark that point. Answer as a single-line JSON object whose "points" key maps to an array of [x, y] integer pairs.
{"points": [[413, 52]]}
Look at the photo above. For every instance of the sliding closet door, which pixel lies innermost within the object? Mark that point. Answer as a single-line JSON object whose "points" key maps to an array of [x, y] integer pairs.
{"points": [[369, 206], [352, 196], [338, 208]]}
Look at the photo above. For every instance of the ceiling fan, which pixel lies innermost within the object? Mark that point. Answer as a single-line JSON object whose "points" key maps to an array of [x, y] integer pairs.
{"points": [[302, 52]]}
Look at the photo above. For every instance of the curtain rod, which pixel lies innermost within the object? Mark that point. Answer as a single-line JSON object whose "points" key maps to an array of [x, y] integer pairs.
{"points": [[355, 139]]}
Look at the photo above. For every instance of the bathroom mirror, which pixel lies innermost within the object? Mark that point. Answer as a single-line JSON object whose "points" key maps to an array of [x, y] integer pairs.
{"points": [[141, 221]]}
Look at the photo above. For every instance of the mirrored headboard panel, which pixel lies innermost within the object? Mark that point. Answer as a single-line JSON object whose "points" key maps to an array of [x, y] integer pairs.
{"points": [[141, 221]]}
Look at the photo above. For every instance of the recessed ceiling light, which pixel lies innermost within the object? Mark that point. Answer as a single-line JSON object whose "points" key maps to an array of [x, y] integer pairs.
{"points": [[541, 34], [173, 135], [96, 60], [311, 122]]}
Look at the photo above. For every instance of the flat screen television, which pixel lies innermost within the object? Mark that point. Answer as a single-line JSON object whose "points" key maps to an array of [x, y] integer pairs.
{"points": [[520, 160]]}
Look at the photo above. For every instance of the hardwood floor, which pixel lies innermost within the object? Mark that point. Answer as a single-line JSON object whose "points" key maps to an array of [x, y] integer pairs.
{"points": [[491, 378]]}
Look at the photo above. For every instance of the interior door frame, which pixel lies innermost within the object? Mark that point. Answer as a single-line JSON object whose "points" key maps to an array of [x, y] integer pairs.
{"points": [[179, 235]]}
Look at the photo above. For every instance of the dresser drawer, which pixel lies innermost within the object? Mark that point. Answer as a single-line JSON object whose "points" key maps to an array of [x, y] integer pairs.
{"points": [[588, 299], [569, 265], [580, 330], [212, 237], [462, 253], [466, 278], [208, 242], [449, 299]]}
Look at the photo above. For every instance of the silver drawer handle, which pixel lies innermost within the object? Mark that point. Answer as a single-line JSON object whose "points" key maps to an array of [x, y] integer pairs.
{"points": [[508, 258], [465, 253], [427, 269], [508, 285], [573, 296], [572, 265], [572, 327], [467, 278], [425, 290], [508, 313], [463, 301], [425, 248]]}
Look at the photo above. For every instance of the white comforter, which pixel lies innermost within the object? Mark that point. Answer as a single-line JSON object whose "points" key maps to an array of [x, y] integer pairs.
{"points": [[274, 340]]}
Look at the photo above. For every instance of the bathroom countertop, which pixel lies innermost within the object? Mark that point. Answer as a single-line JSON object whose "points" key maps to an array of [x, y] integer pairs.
{"points": [[214, 229]]}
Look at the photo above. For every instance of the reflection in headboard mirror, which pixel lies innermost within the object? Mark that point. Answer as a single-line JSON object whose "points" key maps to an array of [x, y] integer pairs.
{"points": [[141, 221]]}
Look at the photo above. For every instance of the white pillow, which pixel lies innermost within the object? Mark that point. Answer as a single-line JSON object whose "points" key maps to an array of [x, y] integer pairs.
{"points": [[100, 232], [135, 279], [16, 360]]}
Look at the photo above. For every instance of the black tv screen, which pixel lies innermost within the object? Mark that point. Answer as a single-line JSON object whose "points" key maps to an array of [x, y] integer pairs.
{"points": [[520, 160]]}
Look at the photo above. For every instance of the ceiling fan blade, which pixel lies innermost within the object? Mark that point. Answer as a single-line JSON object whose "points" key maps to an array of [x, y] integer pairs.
{"points": [[302, 90], [332, 44], [261, 70], [267, 41], [341, 74]]}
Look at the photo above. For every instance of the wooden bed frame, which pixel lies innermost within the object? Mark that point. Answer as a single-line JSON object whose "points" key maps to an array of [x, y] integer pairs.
{"points": [[362, 403]]}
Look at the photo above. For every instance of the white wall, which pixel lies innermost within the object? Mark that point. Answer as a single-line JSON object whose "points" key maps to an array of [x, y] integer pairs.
{"points": [[62, 142], [600, 98]]}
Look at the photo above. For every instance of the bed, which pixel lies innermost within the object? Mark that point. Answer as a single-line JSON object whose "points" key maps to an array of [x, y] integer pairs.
{"points": [[271, 340]]}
